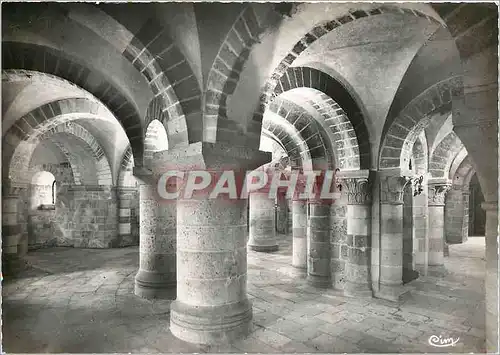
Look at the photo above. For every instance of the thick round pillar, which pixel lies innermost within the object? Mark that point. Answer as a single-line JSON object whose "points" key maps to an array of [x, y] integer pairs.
{"points": [[212, 306], [318, 244], [391, 237], [491, 281], [10, 235], [358, 241], [262, 232], [156, 277], [299, 234], [436, 199]]}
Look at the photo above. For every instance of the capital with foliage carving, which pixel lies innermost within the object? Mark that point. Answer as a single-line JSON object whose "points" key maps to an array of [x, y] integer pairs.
{"points": [[358, 190], [391, 189], [437, 194]]}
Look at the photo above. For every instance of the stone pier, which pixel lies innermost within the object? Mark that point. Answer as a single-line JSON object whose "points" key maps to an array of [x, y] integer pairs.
{"points": [[262, 231], [156, 277], [11, 232], [391, 236], [436, 198], [421, 228], [318, 244], [358, 242], [212, 305], [299, 233], [491, 281]]}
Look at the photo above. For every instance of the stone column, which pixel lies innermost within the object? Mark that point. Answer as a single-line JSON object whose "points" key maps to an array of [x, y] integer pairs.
{"points": [[421, 229], [282, 212], [11, 232], [262, 232], [357, 185], [391, 237], [465, 220], [156, 277], [318, 244], [456, 211], [299, 233], [124, 195], [212, 305], [491, 281], [436, 198]]}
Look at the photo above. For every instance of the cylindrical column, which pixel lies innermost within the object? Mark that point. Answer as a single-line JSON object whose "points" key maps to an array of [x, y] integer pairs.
{"points": [[491, 281], [421, 228], [358, 242], [124, 217], [10, 235], [262, 234], [318, 244], [156, 277], [436, 198], [299, 234], [281, 212], [212, 306], [391, 237]]}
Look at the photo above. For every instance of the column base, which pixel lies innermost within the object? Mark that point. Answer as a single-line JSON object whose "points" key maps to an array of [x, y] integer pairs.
{"points": [[263, 248], [12, 266], [436, 271], [352, 289], [393, 293], [152, 285], [211, 325], [319, 281], [409, 275]]}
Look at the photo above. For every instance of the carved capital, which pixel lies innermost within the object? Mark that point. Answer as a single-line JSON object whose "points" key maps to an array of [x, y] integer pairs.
{"points": [[437, 194], [391, 189], [358, 190]]}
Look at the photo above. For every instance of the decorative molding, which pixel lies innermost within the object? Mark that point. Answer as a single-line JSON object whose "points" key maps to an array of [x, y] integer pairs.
{"points": [[358, 190], [437, 194], [391, 189]]}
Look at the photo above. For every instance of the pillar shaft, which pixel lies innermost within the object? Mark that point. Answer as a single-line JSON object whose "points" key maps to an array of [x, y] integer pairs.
{"points": [[491, 281], [318, 244], [156, 277], [125, 237], [11, 234], [436, 198], [212, 305], [282, 212], [421, 230], [262, 231], [391, 237], [358, 243], [299, 234]]}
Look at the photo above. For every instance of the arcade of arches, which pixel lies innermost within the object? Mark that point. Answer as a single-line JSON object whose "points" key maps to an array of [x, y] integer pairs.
{"points": [[399, 99]]}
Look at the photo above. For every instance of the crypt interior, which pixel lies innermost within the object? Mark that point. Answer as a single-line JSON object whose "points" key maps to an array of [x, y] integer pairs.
{"points": [[399, 99]]}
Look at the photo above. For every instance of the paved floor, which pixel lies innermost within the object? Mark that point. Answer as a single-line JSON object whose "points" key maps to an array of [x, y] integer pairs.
{"points": [[82, 301]]}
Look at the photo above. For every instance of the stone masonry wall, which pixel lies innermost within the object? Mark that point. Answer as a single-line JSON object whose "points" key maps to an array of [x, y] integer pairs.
{"points": [[456, 215], [85, 217]]}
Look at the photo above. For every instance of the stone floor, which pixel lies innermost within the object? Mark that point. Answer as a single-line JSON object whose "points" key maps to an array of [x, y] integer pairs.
{"points": [[82, 301]]}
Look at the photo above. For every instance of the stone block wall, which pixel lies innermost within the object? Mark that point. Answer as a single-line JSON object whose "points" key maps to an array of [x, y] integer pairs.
{"points": [[456, 214], [85, 217], [339, 243]]}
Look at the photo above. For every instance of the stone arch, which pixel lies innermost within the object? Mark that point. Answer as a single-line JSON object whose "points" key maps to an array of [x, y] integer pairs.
{"points": [[443, 155], [396, 148], [156, 140], [31, 126], [177, 93], [126, 176], [20, 165], [227, 66], [307, 133], [337, 107], [420, 155], [17, 55]]}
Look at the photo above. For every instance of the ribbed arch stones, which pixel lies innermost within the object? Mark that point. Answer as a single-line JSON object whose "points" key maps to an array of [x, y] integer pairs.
{"points": [[339, 110], [403, 130], [126, 175], [22, 155], [299, 132], [443, 155], [29, 56], [27, 129]]}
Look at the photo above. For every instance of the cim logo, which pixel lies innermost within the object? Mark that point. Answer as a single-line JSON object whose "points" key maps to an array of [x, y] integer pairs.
{"points": [[440, 342]]}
